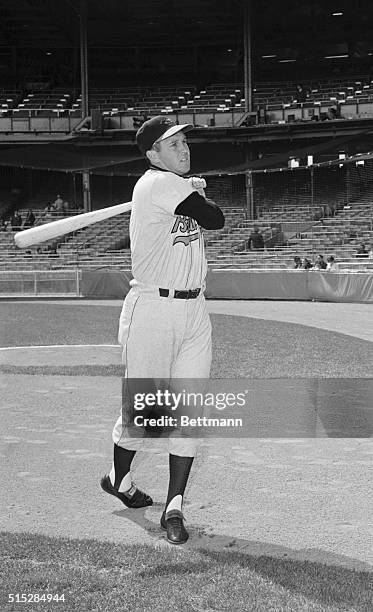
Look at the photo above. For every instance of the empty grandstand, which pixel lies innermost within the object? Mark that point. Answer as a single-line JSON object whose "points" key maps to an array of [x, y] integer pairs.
{"points": [[282, 132], [323, 209]]}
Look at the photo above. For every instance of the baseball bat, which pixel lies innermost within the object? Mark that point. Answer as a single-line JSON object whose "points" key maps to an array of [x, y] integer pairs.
{"points": [[51, 230]]}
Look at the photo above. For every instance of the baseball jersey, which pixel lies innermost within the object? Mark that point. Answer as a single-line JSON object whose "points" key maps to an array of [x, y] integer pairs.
{"points": [[167, 250]]}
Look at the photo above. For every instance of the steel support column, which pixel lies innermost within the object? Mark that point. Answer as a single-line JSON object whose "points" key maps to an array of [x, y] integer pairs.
{"points": [[83, 58], [249, 213], [86, 191], [84, 106], [247, 56]]}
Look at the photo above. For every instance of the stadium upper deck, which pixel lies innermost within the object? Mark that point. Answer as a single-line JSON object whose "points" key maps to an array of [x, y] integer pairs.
{"points": [[213, 105], [137, 51]]}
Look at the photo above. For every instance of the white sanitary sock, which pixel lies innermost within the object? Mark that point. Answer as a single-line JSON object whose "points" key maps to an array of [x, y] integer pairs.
{"points": [[126, 483], [175, 503]]}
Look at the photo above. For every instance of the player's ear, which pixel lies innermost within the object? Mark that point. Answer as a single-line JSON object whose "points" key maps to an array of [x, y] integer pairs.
{"points": [[152, 156]]}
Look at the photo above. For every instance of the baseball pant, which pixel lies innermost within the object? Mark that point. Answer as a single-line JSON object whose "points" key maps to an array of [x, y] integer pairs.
{"points": [[163, 338]]}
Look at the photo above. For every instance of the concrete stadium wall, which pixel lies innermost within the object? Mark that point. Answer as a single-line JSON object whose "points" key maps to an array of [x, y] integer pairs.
{"points": [[38, 124]]}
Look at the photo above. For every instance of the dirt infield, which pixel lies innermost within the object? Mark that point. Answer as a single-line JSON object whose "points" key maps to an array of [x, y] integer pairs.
{"points": [[299, 498]]}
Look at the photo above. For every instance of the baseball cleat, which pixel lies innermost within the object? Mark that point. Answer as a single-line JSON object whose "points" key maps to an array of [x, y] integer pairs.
{"points": [[173, 522], [135, 499]]}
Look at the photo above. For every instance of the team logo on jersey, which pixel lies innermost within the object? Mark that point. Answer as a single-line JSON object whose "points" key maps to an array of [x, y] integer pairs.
{"points": [[188, 227]]}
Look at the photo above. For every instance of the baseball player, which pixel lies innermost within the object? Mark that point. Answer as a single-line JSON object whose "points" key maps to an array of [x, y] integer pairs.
{"points": [[164, 327]]}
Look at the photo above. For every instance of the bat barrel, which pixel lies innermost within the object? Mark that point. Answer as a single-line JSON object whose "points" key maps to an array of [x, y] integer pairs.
{"points": [[51, 230]]}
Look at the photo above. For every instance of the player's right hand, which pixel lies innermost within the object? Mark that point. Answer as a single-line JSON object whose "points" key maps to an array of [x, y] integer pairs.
{"points": [[198, 183]]}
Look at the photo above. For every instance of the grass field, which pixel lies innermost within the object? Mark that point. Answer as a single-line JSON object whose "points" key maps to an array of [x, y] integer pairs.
{"points": [[242, 347], [115, 578]]}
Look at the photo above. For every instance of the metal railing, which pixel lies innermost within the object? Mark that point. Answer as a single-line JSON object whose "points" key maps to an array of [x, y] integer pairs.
{"points": [[40, 283]]}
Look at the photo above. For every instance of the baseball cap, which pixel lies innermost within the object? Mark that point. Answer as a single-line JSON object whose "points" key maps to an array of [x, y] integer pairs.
{"points": [[156, 129]]}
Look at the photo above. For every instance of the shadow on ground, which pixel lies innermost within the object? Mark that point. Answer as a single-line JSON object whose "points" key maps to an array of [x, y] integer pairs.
{"points": [[204, 538]]}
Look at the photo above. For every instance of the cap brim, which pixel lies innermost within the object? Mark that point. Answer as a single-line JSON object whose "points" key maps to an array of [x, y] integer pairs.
{"points": [[182, 127]]}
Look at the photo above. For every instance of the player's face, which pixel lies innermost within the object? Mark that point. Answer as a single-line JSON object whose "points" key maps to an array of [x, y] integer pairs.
{"points": [[173, 154]]}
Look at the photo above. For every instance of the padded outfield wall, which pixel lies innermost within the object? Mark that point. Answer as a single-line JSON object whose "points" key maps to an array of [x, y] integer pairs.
{"points": [[251, 285]]}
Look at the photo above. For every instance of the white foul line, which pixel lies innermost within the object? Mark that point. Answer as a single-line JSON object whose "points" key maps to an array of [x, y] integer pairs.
{"points": [[43, 346]]}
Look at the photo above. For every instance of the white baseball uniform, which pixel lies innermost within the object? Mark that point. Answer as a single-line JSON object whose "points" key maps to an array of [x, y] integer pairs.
{"points": [[164, 337]]}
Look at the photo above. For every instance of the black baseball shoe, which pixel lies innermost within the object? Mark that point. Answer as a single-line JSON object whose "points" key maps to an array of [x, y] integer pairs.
{"points": [[133, 499], [172, 521]]}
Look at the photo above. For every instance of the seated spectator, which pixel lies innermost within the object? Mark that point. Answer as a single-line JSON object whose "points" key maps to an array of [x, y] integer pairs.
{"points": [[2, 225], [306, 264], [370, 252], [138, 121], [318, 214], [327, 210], [58, 204], [52, 249], [333, 208], [330, 266], [256, 240], [301, 94], [361, 251], [334, 112], [16, 221], [48, 212], [30, 219], [319, 264], [297, 262]]}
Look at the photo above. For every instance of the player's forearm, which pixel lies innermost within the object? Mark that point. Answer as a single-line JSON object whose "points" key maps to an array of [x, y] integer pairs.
{"points": [[207, 214]]}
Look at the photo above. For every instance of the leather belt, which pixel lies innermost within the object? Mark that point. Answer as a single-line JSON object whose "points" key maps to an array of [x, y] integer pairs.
{"points": [[189, 294]]}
